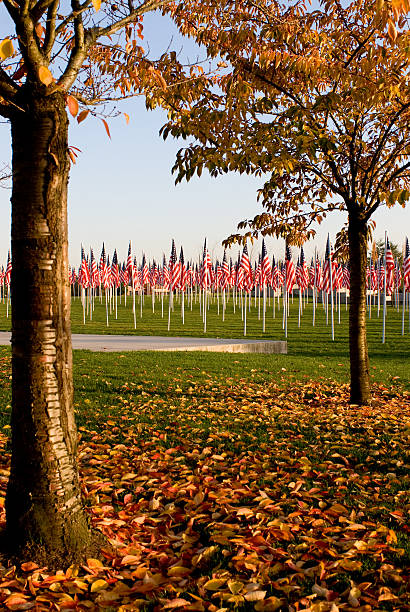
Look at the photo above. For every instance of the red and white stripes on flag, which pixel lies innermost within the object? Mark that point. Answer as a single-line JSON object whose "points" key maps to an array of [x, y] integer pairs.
{"points": [[406, 267], [290, 274]]}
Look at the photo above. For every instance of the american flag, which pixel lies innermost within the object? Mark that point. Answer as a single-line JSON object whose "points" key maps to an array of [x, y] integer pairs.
{"points": [[245, 266], [225, 272], [319, 275], [115, 274], [7, 275], [397, 275], [326, 267], [346, 276], [290, 274], [129, 261], [174, 267], [266, 268], [124, 276], [166, 279], [182, 271], [144, 270], [136, 276], [104, 270], [389, 268], [381, 274], [95, 276], [84, 275], [206, 268], [275, 275], [406, 266], [302, 274], [108, 282], [338, 276], [312, 273], [373, 276]]}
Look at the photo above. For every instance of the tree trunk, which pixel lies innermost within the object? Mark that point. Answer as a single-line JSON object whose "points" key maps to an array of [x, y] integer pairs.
{"points": [[359, 357], [45, 517]]}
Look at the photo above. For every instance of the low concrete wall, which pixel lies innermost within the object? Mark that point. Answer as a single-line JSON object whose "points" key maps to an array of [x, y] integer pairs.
{"points": [[277, 346]]}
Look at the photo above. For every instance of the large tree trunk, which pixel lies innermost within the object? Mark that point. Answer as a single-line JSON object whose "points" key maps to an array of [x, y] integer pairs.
{"points": [[359, 356], [45, 517]]}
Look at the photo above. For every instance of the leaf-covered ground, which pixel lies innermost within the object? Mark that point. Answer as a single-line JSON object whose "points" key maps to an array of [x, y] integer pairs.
{"points": [[235, 493]]}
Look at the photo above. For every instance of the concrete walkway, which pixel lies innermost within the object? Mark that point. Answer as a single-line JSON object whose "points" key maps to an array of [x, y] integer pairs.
{"points": [[94, 342]]}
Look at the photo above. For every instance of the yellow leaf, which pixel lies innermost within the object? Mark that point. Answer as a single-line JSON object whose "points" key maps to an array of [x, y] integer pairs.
{"points": [[215, 584], [392, 31], [96, 4], [45, 75], [6, 48], [235, 586], [178, 570], [98, 585], [127, 118], [338, 509]]}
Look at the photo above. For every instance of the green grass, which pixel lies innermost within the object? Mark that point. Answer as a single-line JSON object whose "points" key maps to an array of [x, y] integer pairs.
{"points": [[311, 352]]}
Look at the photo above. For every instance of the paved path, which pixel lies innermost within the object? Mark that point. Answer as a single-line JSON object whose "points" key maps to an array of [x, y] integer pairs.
{"points": [[94, 342]]}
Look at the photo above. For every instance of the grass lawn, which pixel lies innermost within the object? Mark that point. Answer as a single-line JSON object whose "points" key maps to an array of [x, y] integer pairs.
{"points": [[235, 481], [310, 349]]}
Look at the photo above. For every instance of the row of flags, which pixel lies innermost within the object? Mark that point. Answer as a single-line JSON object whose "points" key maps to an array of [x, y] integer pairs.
{"points": [[177, 274]]}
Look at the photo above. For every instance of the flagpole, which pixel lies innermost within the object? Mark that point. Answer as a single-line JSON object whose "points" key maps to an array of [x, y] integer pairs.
{"points": [[314, 292], [300, 305], [264, 308], [133, 296], [106, 305], [244, 317], [169, 304], [331, 293], [384, 290], [404, 304]]}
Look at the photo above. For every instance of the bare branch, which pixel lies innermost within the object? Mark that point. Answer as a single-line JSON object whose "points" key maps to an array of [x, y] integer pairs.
{"points": [[146, 7], [50, 34]]}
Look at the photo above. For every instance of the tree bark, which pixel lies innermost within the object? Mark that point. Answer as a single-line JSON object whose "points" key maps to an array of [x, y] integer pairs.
{"points": [[44, 513], [359, 356]]}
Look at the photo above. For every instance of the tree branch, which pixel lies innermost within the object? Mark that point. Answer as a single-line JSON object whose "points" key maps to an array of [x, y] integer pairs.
{"points": [[50, 35], [147, 6], [8, 87], [380, 146]]}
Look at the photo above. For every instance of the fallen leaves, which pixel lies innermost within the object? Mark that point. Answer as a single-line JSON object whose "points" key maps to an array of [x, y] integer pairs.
{"points": [[236, 495]]}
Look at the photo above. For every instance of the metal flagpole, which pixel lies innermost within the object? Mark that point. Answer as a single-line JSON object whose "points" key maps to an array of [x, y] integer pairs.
{"points": [[331, 292], [314, 292], [384, 290], [244, 315], [404, 308], [264, 307]]}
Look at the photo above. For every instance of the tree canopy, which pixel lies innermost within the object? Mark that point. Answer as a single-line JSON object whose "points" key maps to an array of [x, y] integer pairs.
{"points": [[93, 52], [314, 101]]}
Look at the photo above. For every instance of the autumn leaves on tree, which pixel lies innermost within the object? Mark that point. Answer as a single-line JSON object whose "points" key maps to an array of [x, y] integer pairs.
{"points": [[316, 103]]}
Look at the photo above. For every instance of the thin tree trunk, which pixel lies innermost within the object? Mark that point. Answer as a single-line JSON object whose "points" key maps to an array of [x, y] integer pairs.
{"points": [[359, 357], [45, 516]]}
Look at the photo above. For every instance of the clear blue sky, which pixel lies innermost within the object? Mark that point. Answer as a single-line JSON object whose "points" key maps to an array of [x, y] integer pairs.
{"points": [[122, 189]]}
